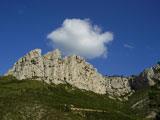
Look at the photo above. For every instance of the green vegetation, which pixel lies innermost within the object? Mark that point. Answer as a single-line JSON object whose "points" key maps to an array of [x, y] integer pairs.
{"points": [[154, 96], [158, 70], [140, 97], [35, 100]]}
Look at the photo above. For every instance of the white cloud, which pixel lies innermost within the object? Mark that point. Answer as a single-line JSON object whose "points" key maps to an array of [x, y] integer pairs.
{"points": [[128, 46], [79, 37]]}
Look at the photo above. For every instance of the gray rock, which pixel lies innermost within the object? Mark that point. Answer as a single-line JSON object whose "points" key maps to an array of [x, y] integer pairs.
{"points": [[51, 68], [118, 86], [74, 70], [148, 77]]}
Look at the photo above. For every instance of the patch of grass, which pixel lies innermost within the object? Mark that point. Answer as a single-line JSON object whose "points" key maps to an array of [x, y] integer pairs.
{"points": [[31, 99], [142, 109]]}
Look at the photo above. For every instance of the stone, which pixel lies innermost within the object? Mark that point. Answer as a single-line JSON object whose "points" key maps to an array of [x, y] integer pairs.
{"points": [[74, 70], [148, 77], [118, 86], [51, 68]]}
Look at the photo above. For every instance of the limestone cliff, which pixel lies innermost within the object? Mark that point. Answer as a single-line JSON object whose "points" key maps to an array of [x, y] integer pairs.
{"points": [[74, 70], [118, 86], [51, 68], [148, 77]]}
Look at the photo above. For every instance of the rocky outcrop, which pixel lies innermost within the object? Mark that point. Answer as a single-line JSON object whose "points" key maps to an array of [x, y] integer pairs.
{"points": [[74, 70], [28, 66], [118, 86], [147, 78], [51, 68]]}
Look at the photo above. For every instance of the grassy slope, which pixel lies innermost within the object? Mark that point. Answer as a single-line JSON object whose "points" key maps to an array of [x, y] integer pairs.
{"points": [[35, 100], [154, 96]]}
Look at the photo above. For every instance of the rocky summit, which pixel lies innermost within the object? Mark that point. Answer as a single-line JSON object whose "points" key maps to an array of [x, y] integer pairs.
{"points": [[74, 70]]}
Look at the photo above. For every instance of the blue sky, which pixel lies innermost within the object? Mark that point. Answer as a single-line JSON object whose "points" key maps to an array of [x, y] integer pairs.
{"points": [[135, 24]]}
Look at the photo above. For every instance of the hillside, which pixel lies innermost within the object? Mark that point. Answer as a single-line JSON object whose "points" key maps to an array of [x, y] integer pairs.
{"points": [[76, 71], [49, 87], [35, 100]]}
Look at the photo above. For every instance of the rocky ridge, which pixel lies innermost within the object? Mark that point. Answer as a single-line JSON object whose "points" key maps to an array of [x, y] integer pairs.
{"points": [[74, 70]]}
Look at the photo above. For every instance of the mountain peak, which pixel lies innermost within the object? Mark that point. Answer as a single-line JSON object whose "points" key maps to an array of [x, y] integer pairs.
{"points": [[53, 54], [35, 53], [74, 70]]}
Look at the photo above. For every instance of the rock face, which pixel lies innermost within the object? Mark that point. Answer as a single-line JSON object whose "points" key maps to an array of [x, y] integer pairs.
{"points": [[118, 86], [74, 70], [51, 68], [148, 77]]}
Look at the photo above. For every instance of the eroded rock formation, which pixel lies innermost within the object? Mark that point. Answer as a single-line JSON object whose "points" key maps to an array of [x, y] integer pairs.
{"points": [[74, 70], [51, 68]]}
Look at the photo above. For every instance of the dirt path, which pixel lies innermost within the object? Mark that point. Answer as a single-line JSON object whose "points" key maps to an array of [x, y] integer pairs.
{"points": [[88, 110]]}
